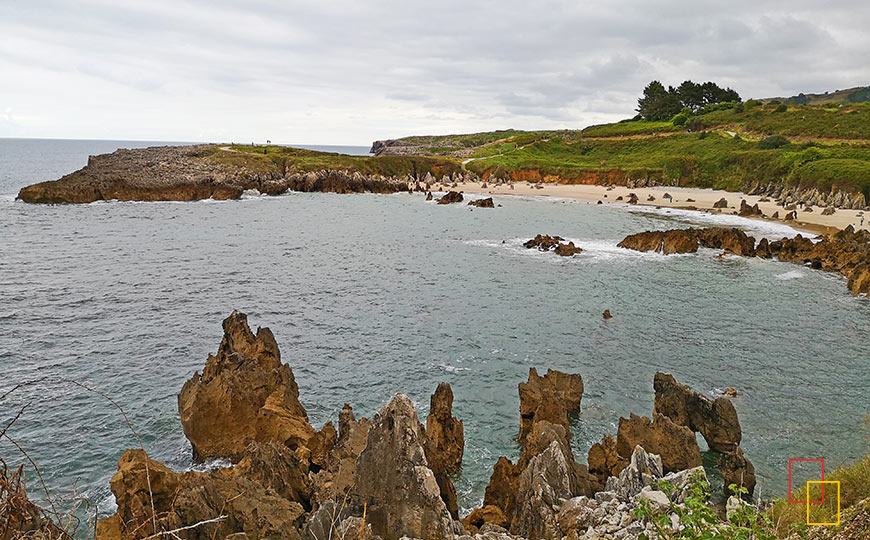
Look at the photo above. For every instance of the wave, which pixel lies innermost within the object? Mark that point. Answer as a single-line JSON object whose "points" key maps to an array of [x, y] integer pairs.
{"points": [[593, 251], [792, 274], [765, 229], [453, 369]]}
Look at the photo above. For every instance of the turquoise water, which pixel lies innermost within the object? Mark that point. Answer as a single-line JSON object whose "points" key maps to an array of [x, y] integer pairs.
{"points": [[372, 294]]}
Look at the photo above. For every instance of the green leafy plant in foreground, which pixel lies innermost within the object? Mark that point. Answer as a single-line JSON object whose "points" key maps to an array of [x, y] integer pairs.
{"points": [[698, 520]]}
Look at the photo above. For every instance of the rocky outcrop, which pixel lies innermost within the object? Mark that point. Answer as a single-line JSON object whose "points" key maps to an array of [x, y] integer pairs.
{"points": [[675, 444], [501, 491], [450, 197], [394, 479], [445, 438], [482, 203], [664, 242], [604, 461], [716, 420], [244, 394], [556, 244], [163, 173], [846, 252], [721, 203], [488, 514], [549, 398], [787, 194], [149, 494], [341, 181], [746, 210], [541, 487], [737, 470]]}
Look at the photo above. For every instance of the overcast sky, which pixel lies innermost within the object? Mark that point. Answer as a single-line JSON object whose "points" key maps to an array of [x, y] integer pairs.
{"points": [[348, 72]]}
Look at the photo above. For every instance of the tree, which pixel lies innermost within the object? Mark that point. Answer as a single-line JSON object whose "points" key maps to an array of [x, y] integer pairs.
{"points": [[691, 95], [658, 103]]}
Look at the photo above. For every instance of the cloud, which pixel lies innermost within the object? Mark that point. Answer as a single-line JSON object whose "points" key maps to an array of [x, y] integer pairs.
{"points": [[348, 72]]}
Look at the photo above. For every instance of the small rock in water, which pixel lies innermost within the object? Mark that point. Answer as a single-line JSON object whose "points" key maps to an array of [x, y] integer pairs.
{"points": [[607, 314], [730, 392]]}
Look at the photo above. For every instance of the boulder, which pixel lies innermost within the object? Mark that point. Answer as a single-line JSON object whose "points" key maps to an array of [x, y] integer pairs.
{"points": [[715, 419], [429, 196], [607, 314], [394, 479], [555, 244], [482, 203], [548, 398], [488, 514], [675, 444], [445, 439], [567, 250], [244, 394], [829, 211], [451, 197], [721, 203], [728, 239], [747, 210]]}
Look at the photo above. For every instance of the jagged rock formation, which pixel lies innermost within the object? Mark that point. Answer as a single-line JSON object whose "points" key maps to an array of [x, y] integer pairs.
{"points": [[604, 461], [846, 252], [716, 420], [164, 173], [786, 195], [721, 203], [445, 438], [180, 500], [339, 181], [482, 203], [394, 478], [747, 210], [549, 398], [555, 244], [244, 394], [675, 444]]}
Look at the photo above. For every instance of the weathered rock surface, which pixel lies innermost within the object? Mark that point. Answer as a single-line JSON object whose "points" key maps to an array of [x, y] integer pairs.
{"points": [[341, 181], [675, 444], [488, 514], [715, 419], [541, 486], [721, 203], [603, 459], [19, 516], [747, 210], [737, 469], [445, 437], [394, 479], [482, 203], [451, 197], [664, 242], [244, 394], [549, 398], [180, 500], [162, 173], [643, 469]]}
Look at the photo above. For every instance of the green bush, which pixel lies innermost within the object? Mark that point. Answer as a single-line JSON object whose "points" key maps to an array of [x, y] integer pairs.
{"points": [[752, 103], [782, 107], [772, 143], [695, 124], [680, 119]]}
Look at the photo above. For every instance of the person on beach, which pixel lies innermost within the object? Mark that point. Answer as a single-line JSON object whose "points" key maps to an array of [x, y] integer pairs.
{"points": [[862, 221]]}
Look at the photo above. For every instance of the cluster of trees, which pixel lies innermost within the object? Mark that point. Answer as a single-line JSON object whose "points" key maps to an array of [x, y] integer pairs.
{"points": [[660, 104]]}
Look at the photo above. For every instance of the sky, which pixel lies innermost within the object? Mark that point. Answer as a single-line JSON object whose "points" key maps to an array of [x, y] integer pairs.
{"points": [[350, 72]]}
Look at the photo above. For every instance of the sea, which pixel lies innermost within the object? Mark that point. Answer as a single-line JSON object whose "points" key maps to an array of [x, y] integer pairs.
{"points": [[370, 295]]}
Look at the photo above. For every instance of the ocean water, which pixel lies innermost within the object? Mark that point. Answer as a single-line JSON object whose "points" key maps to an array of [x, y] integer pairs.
{"points": [[369, 295]]}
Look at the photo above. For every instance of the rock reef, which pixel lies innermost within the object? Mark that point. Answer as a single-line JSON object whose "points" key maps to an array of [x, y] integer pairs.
{"points": [[556, 244], [845, 252]]}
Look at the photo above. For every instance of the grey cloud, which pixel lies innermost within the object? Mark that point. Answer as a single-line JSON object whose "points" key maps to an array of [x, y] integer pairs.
{"points": [[302, 69]]}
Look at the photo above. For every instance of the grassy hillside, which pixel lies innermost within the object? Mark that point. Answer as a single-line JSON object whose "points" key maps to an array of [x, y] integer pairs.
{"points": [[858, 94], [822, 146]]}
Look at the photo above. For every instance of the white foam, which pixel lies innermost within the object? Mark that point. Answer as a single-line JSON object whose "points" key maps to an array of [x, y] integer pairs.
{"points": [[765, 229], [594, 250], [453, 369], [792, 274]]}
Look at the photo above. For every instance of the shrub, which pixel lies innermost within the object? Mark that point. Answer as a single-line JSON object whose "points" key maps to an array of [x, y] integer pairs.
{"points": [[739, 108], [680, 119], [695, 124], [774, 102], [752, 103], [772, 143], [782, 107]]}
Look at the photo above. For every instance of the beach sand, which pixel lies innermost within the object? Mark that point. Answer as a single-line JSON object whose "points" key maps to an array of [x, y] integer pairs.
{"points": [[703, 200]]}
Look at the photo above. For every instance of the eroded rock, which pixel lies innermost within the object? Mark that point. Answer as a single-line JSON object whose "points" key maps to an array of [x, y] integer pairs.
{"points": [[675, 444], [549, 398]]}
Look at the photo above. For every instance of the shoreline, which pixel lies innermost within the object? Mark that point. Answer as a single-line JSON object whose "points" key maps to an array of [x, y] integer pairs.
{"points": [[703, 199]]}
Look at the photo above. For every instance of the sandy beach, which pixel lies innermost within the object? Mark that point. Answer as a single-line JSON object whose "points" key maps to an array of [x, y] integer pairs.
{"points": [[683, 198]]}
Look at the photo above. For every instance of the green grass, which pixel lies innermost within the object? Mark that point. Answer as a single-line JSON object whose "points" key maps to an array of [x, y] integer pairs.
{"points": [[854, 487], [634, 127], [811, 121], [283, 160]]}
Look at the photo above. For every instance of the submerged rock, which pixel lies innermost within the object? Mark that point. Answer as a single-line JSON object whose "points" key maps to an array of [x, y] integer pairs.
{"points": [[555, 244], [664, 242], [482, 203]]}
